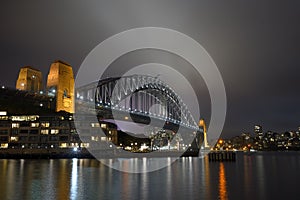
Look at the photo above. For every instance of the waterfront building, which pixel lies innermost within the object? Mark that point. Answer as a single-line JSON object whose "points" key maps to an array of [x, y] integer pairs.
{"points": [[53, 134], [29, 79], [60, 84], [34, 131]]}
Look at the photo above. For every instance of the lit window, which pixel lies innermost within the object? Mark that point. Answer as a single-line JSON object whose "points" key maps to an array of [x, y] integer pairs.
{"points": [[44, 131], [3, 117], [3, 113], [4, 146], [95, 125], [94, 138], [45, 124], [54, 131], [24, 118], [14, 139], [63, 145], [15, 125], [74, 145], [103, 125], [86, 145], [35, 124], [103, 138]]}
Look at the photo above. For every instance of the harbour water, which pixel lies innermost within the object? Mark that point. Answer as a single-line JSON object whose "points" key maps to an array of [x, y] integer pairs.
{"points": [[269, 175]]}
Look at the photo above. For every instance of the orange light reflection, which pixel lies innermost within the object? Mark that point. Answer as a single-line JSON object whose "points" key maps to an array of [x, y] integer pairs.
{"points": [[222, 183]]}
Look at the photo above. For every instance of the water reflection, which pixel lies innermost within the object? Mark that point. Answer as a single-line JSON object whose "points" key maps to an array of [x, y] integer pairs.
{"points": [[138, 165], [222, 183], [74, 178], [251, 177]]}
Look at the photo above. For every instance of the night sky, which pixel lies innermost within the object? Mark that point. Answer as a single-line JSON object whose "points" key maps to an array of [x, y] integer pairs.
{"points": [[255, 44]]}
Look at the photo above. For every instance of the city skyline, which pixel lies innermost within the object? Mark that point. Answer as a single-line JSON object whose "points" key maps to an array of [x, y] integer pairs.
{"points": [[254, 45], [45, 88]]}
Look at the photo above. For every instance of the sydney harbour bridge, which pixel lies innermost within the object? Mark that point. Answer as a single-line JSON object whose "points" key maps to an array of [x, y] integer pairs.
{"points": [[147, 101]]}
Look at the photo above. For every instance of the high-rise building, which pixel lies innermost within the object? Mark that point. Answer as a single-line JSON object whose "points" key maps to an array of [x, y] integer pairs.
{"points": [[60, 84], [258, 131], [202, 127], [29, 79]]}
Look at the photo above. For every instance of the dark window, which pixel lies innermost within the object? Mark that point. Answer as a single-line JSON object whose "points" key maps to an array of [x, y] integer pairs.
{"points": [[14, 131], [33, 138], [23, 131], [23, 138], [4, 139], [63, 138], [35, 131], [4, 132]]}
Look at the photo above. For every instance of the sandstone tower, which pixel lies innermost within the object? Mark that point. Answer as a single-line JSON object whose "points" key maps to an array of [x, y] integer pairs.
{"points": [[29, 79], [60, 84], [202, 126]]}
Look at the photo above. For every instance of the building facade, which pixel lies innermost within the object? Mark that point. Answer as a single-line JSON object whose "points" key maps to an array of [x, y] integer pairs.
{"points": [[56, 131]]}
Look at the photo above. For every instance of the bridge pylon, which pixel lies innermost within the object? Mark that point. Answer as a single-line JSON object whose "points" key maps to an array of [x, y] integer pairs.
{"points": [[202, 127]]}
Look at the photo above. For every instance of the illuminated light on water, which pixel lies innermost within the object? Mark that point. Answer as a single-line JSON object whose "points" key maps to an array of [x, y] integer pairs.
{"points": [[222, 183], [74, 177]]}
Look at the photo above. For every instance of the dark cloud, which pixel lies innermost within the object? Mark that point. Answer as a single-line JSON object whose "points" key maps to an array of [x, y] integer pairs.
{"points": [[255, 44]]}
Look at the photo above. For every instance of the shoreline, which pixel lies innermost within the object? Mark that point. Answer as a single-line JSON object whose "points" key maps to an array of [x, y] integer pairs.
{"points": [[85, 154]]}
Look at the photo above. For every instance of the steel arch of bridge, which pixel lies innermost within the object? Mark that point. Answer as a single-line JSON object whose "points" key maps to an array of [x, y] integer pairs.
{"points": [[137, 94]]}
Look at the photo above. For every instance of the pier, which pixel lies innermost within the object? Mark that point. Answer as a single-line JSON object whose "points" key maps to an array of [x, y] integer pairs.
{"points": [[220, 156]]}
